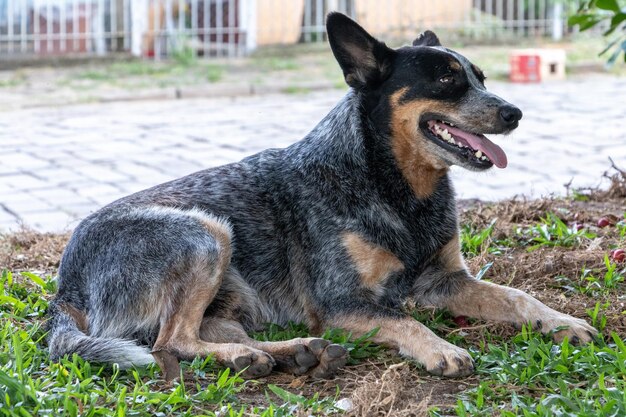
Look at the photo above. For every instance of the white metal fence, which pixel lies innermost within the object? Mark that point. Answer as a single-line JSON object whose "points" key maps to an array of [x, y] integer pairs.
{"points": [[52, 27], [160, 28]]}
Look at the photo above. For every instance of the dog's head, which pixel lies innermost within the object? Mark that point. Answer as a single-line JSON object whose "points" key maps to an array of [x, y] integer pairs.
{"points": [[432, 101]]}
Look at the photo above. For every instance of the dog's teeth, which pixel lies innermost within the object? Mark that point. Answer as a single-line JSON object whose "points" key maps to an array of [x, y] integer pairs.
{"points": [[451, 124], [478, 154], [447, 136], [484, 158]]}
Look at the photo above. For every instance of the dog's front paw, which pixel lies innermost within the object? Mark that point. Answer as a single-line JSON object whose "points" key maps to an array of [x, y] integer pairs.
{"points": [[577, 331], [448, 360]]}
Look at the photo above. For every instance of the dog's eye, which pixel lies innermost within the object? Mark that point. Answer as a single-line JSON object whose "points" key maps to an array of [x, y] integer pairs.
{"points": [[446, 79]]}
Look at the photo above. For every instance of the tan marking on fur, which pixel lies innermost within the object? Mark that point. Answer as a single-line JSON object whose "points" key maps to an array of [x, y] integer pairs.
{"points": [[286, 347], [411, 337], [314, 322], [408, 335], [450, 256], [374, 263], [223, 237], [367, 62], [223, 330], [455, 66], [490, 301], [180, 332], [219, 330], [79, 316], [179, 335], [420, 169]]}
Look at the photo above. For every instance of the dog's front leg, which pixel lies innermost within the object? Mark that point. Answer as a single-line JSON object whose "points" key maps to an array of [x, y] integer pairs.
{"points": [[411, 337], [496, 302], [352, 302], [448, 284]]}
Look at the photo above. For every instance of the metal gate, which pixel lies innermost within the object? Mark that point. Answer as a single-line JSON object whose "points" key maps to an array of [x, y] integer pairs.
{"points": [[228, 28]]}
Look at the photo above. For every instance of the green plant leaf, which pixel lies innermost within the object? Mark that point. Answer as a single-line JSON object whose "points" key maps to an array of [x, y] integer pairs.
{"points": [[615, 22], [35, 278], [7, 299], [615, 54], [483, 270], [608, 5], [286, 395]]}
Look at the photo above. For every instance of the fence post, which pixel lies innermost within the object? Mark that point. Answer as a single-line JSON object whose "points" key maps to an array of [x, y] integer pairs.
{"points": [[248, 23], [138, 25], [557, 21]]}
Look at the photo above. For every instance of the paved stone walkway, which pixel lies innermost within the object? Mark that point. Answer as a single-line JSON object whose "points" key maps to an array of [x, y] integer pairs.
{"points": [[59, 164]]}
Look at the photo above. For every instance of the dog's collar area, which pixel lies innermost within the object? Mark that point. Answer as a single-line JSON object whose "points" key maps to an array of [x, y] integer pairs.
{"points": [[476, 148]]}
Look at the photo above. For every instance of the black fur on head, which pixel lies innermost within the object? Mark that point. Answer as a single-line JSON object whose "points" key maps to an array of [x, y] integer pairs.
{"points": [[364, 60], [427, 38]]}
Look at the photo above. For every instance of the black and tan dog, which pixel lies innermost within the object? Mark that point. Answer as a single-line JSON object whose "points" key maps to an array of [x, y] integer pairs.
{"points": [[337, 230]]}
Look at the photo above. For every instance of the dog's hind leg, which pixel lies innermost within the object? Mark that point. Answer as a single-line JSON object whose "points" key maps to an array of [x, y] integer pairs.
{"points": [[317, 357], [179, 333], [145, 274]]}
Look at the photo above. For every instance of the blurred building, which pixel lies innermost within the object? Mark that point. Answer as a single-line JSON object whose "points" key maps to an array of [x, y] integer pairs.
{"points": [[159, 28]]}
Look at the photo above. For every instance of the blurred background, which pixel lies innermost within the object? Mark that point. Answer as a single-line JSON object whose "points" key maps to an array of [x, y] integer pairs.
{"points": [[233, 28], [101, 98]]}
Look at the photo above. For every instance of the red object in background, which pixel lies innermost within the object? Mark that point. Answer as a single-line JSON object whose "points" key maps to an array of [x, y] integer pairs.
{"points": [[618, 255], [525, 68], [461, 321]]}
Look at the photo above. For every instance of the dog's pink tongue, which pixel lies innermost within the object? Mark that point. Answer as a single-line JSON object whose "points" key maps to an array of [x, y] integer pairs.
{"points": [[481, 143]]}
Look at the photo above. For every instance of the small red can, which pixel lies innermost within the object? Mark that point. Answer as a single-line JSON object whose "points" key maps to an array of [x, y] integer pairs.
{"points": [[525, 68]]}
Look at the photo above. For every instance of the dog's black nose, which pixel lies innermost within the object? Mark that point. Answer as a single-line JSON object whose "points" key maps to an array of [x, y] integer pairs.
{"points": [[510, 114]]}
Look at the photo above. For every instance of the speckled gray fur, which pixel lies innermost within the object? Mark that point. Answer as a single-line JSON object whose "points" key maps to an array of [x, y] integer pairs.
{"points": [[286, 211]]}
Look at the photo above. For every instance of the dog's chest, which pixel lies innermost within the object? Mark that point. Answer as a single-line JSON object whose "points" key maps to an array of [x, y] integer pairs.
{"points": [[423, 227], [403, 243]]}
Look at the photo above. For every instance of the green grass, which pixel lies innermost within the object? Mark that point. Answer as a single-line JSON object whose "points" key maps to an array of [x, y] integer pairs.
{"points": [[621, 227], [474, 242], [31, 385], [527, 375], [596, 282], [551, 232], [295, 89], [276, 63], [532, 376], [11, 82], [184, 68]]}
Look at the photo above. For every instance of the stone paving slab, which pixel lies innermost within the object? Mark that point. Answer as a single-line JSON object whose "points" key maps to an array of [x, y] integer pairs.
{"points": [[58, 164]]}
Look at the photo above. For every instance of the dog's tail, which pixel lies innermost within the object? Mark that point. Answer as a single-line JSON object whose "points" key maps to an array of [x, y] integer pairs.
{"points": [[65, 338]]}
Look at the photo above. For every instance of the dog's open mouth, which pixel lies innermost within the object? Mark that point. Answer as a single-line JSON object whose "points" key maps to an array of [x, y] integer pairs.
{"points": [[475, 147]]}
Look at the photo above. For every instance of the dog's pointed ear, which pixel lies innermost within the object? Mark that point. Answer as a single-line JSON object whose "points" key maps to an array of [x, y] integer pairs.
{"points": [[427, 38], [364, 60]]}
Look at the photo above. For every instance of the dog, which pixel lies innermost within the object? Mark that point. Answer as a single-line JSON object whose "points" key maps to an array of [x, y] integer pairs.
{"points": [[335, 231]]}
